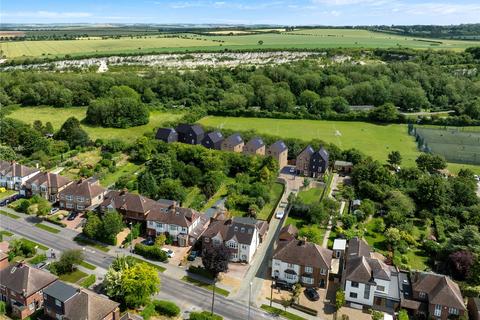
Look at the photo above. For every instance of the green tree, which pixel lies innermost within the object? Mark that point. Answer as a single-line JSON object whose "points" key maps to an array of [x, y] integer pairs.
{"points": [[72, 133], [431, 163], [312, 233], [339, 299], [112, 225], [394, 158], [385, 113], [147, 185], [68, 262], [7, 153]]}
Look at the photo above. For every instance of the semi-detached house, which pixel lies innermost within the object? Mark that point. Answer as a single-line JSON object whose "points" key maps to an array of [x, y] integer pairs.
{"points": [[13, 175], [82, 195], [47, 185]]}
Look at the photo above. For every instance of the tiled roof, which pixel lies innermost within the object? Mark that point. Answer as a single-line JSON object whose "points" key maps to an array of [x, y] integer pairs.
{"points": [[14, 169], [239, 228], [440, 289], [361, 269], [234, 139], [255, 143], [164, 133], [88, 188], [185, 127], [122, 200], [22, 278], [51, 180], [304, 253], [308, 150], [215, 136], [278, 146], [358, 247], [179, 216]]}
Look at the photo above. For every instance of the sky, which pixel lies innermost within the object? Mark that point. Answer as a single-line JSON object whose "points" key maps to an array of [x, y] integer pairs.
{"points": [[281, 12]]}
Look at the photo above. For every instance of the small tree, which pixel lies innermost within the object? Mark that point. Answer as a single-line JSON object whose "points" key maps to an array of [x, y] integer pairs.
{"points": [[403, 315], [68, 262], [160, 240], [260, 42], [339, 299], [215, 260], [394, 158], [377, 315]]}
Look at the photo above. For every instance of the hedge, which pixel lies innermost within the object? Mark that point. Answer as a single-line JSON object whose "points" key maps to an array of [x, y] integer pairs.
{"points": [[204, 315], [151, 252], [201, 272], [166, 308]]}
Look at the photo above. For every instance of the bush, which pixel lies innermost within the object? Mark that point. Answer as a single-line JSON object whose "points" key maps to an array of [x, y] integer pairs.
{"points": [[151, 252], [204, 315], [200, 271], [166, 308]]}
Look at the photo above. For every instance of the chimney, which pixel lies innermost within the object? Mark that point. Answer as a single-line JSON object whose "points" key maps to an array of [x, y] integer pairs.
{"points": [[124, 191], [302, 241]]}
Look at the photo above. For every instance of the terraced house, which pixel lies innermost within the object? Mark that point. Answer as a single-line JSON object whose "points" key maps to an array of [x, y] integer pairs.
{"points": [[47, 185], [82, 195], [14, 175], [21, 288]]}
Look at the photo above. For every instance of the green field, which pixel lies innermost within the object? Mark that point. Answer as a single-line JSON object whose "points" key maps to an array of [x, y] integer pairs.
{"points": [[372, 139], [57, 117], [298, 39]]}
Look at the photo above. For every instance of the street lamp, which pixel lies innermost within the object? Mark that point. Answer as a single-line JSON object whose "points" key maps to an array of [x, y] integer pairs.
{"points": [[131, 237], [249, 298]]}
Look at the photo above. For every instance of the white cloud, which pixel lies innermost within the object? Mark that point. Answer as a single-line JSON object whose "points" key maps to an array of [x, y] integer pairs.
{"points": [[46, 14], [432, 8]]}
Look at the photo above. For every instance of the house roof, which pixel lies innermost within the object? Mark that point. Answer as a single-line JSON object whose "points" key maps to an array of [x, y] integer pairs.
{"points": [[84, 304], [343, 163], [262, 227], [51, 180], [290, 229], [179, 216], [255, 143], [440, 289], [323, 154], [214, 136], [241, 229], [88, 188], [185, 127], [14, 169], [234, 139], [339, 244], [164, 133], [122, 200], [358, 247], [308, 150], [22, 278], [278, 146], [60, 291], [304, 253], [361, 269]]}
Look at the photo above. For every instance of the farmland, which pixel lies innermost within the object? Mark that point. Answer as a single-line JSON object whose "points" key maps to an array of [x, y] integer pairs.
{"points": [[298, 39], [57, 117], [373, 140]]}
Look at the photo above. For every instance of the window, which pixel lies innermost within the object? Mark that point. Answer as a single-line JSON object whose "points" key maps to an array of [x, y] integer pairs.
{"points": [[69, 197], [354, 284], [422, 295], [438, 310], [290, 266], [289, 276], [232, 245], [207, 240], [353, 295], [173, 227], [323, 271], [69, 205], [244, 257], [34, 187], [244, 246], [381, 288], [308, 269], [58, 316], [277, 263], [80, 199], [80, 207], [58, 303], [43, 188], [453, 311], [31, 306], [366, 293], [159, 225], [234, 256], [307, 280]]}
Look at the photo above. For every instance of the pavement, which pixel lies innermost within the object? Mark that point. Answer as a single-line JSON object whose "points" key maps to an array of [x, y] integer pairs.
{"points": [[188, 296]]}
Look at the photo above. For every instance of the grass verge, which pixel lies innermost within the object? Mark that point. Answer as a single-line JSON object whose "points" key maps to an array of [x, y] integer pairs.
{"points": [[156, 266], [91, 243], [8, 214], [88, 265], [47, 228], [207, 286], [280, 312], [73, 277], [88, 281], [6, 233], [40, 246]]}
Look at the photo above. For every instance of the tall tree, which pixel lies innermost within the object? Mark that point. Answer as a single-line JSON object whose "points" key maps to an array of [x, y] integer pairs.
{"points": [[72, 133]]}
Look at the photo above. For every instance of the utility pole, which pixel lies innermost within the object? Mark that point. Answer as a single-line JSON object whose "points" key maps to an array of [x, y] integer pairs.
{"points": [[249, 299], [131, 237], [213, 297]]}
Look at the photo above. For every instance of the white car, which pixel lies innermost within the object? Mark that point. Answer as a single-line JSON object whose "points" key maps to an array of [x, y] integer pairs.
{"points": [[169, 252], [279, 214], [292, 170]]}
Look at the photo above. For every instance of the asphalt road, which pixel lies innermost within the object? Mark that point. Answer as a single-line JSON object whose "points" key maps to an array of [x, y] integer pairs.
{"points": [[189, 297]]}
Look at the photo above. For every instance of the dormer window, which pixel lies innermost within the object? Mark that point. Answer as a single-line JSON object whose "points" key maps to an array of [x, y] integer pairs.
{"points": [[422, 295], [242, 230]]}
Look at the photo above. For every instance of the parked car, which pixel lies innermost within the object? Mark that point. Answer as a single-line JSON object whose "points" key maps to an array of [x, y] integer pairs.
{"points": [[148, 242], [169, 252], [283, 204], [41, 265], [72, 216], [283, 285], [54, 210], [3, 203], [279, 214], [311, 294], [192, 256], [292, 170]]}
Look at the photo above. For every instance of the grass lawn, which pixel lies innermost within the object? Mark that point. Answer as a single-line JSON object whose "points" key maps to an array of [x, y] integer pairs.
{"points": [[57, 117], [7, 194], [280, 312], [275, 195], [73, 277], [40, 246], [6, 233], [375, 239], [310, 196], [207, 286], [88, 265], [10, 215], [374, 140], [110, 178], [416, 259], [47, 228], [156, 266], [193, 196], [38, 258], [88, 281], [221, 192], [91, 243]]}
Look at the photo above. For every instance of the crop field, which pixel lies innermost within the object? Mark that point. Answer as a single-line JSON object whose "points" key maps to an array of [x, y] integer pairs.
{"points": [[298, 39], [57, 117], [373, 140]]}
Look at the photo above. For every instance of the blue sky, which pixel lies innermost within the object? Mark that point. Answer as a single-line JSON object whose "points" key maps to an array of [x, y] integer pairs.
{"points": [[283, 12]]}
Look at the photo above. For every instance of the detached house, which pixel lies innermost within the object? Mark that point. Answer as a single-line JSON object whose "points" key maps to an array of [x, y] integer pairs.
{"points": [[13, 175], [190, 133], [47, 185], [300, 261], [167, 135], [240, 235], [21, 288], [318, 163], [213, 140], [133, 207], [302, 163], [440, 298], [82, 195], [255, 146], [233, 143], [63, 301], [184, 225], [279, 152]]}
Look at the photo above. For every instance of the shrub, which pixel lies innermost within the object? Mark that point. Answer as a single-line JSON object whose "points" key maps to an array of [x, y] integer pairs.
{"points": [[204, 315], [3, 307], [151, 252], [166, 308]]}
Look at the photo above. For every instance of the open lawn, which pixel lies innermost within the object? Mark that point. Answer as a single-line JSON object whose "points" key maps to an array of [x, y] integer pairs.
{"points": [[73, 277], [374, 140], [298, 39], [126, 169], [57, 117], [38, 245], [310, 196]]}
